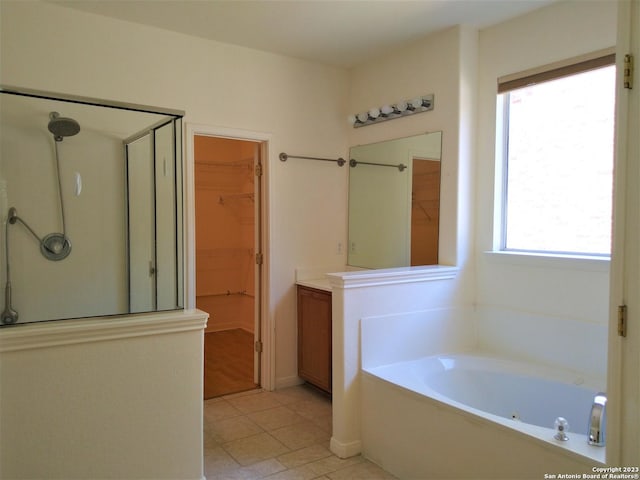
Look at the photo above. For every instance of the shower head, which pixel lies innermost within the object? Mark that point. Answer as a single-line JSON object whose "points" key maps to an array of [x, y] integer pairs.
{"points": [[62, 126]]}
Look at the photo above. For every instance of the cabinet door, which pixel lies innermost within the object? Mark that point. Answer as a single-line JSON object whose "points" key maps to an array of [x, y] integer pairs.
{"points": [[314, 337]]}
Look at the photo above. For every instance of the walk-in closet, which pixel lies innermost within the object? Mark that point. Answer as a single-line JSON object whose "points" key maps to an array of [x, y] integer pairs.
{"points": [[226, 236]]}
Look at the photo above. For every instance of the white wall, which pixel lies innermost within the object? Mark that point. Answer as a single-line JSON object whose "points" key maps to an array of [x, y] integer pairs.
{"points": [[564, 299], [103, 398], [432, 65], [396, 293], [301, 105]]}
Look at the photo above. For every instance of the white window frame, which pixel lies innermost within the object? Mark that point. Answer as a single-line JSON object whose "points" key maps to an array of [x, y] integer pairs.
{"points": [[499, 253]]}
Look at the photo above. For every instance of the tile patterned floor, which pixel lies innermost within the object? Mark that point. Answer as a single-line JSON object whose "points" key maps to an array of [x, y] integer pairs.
{"points": [[281, 435]]}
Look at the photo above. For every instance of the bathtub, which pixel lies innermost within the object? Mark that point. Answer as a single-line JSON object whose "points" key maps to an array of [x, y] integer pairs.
{"points": [[475, 416]]}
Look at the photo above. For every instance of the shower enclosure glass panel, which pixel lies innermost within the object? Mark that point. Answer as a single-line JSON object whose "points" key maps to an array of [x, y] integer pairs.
{"points": [[91, 207], [152, 215], [141, 225]]}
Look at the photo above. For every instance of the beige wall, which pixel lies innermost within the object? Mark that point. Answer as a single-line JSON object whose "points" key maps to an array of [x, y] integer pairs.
{"points": [[443, 64], [103, 398], [431, 65], [298, 104], [438, 65], [301, 105], [538, 297]]}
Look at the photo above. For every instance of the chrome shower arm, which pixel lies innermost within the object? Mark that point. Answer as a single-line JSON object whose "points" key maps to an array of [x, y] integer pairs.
{"points": [[8, 316], [13, 218], [60, 199], [55, 246]]}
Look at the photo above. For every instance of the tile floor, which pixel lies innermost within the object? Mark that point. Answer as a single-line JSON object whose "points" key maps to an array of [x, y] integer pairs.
{"points": [[281, 435]]}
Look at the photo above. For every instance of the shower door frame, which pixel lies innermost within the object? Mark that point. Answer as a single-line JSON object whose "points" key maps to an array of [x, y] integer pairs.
{"points": [[156, 241], [264, 361]]}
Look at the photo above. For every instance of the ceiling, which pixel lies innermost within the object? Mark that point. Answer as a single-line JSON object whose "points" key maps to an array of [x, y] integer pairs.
{"points": [[343, 33]]}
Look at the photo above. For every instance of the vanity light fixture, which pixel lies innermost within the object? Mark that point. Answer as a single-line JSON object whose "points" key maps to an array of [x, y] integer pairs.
{"points": [[389, 112]]}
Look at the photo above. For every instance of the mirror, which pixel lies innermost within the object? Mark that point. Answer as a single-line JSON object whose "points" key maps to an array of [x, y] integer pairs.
{"points": [[394, 202], [91, 207]]}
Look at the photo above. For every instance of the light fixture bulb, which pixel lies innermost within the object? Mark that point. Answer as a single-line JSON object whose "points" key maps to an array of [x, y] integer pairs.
{"points": [[374, 112], [401, 106], [352, 119], [363, 117], [416, 102], [386, 109]]}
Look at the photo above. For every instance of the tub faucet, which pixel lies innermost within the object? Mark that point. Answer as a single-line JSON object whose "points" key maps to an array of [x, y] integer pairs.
{"points": [[597, 421]]}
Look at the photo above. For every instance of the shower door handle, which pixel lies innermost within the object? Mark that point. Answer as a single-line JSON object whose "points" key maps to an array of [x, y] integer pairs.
{"points": [[152, 270]]}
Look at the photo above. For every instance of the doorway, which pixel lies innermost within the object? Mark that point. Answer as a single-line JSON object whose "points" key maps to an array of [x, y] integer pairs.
{"points": [[425, 211], [227, 174]]}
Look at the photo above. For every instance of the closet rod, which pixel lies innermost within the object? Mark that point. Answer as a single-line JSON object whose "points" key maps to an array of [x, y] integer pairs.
{"points": [[227, 293], [339, 161], [400, 166]]}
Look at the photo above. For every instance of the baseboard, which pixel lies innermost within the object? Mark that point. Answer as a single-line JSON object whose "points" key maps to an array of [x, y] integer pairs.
{"points": [[345, 450], [292, 381]]}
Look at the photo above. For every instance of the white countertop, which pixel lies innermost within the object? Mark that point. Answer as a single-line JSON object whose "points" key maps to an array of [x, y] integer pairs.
{"points": [[318, 283]]}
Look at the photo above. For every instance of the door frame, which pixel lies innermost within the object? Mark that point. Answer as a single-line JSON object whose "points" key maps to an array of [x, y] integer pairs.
{"points": [[623, 376], [267, 356]]}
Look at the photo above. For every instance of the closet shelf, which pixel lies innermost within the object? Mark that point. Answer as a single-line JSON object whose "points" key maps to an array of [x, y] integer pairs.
{"points": [[222, 294], [227, 293], [235, 197], [223, 252], [242, 163]]}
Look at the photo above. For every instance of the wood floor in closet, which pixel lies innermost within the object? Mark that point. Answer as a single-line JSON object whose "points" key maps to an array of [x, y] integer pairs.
{"points": [[228, 357]]}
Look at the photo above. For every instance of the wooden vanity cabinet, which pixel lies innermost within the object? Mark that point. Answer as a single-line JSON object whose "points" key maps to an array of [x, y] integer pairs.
{"points": [[314, 337]]}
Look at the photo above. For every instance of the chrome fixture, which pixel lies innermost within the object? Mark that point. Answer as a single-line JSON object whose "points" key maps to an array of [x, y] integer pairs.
{"points": [[389, 112], [62, 126], [54, 246], [9, 316], [562, 427], [597, 421], [340, 161], [354, 163]]}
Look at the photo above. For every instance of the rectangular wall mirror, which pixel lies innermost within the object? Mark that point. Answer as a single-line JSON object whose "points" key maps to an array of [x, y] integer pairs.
{"points": [[91, 207], [394, 202]]}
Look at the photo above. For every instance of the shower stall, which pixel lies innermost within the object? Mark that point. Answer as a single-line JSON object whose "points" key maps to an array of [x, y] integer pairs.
{"points": [[91, 201]]}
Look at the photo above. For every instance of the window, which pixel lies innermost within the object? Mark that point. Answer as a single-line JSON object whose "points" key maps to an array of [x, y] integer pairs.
{"points": [[558, 152]]}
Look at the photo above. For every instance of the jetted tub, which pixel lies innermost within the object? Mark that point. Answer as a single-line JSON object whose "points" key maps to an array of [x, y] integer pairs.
{"points": [[423, 418]]}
